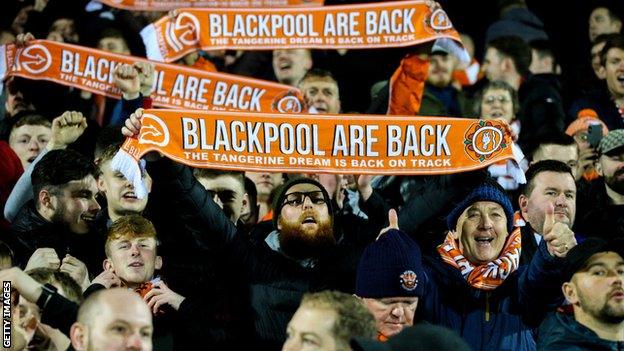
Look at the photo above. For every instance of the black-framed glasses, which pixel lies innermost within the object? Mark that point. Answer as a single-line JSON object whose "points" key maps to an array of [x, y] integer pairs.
{"points": [[298, 198]]}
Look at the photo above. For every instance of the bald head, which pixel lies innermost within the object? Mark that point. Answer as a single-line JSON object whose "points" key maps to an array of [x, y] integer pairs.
{"points": [[113, 319]]}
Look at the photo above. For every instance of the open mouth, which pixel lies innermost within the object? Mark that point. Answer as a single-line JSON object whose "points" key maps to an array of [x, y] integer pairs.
{"points": [[87, 218], [284, 65], [619, 294], [31, 159], [620, 78], [309, 219], [484, 240], [136, 264], [129, 196], [497, 114]]}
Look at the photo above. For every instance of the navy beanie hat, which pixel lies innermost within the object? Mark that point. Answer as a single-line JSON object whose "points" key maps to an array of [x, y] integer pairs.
{"points": [[488, 191], [390, 267], [278, 202]]}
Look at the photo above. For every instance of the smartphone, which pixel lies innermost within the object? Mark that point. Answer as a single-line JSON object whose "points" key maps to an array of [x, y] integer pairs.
{"points": [[594, 135]]}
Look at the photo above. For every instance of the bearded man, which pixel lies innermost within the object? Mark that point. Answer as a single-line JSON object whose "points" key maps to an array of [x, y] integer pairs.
{"points": [[301, 255], [601, 204]]}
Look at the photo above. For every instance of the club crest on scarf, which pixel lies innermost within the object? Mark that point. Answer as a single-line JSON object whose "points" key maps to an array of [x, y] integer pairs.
{"points": [[288, 102], [409, 280], [154, 131], [484, 140]]}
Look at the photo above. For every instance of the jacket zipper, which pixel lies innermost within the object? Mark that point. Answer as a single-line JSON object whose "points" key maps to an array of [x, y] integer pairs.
{"points": [[487, 307]]}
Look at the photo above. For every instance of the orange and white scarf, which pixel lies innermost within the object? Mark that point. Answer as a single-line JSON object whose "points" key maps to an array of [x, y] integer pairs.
{"points": [[487, 276]]}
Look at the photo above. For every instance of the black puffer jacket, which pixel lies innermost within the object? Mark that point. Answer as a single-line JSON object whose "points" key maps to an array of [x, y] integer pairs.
{"points": [[29, 232], [275, 282]]}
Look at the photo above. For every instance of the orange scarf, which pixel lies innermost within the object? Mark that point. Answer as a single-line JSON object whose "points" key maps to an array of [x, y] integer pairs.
{"points": [[358, 144], [359, 26], [175, 86], [486, 276]]}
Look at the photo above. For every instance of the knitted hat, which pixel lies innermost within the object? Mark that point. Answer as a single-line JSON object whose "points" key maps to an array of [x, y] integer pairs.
{"points": [[488, 191], [614, 140], [278, 202], [585, 118], [390, 267]]}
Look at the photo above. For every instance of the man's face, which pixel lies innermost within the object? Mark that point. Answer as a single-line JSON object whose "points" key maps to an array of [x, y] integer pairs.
{"points": [[290, 65], [265, 183], [121, 326], [311, 329], [595, 59], [133, 260], [441, 70], [66, 28], [120, 195], [568, 154], [114, 45], [392, 314], [28, 140], [597, 290], [497, 104], [601, 23], [550, 189], [614, 72], [322, 94], [228, 192], [75, 205], [612, 169], [304, 223], [493, 65], [482, 231]]}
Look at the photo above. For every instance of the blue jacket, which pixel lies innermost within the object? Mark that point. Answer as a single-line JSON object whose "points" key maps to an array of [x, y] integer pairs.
{"points": [[562, 332], [501, 319]]}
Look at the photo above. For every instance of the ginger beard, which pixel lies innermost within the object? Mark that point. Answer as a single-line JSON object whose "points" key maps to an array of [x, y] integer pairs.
{"points": [[308, 236]]}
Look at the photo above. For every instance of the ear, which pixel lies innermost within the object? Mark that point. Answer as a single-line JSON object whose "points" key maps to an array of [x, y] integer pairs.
{"points": [[507, 64], [45, 199], [79, 336], [148, 182], [598, 166], [108, 265], [569, 292], [100, 184], [602, 72], [523, 203], [158, 263], [245, 203], [617, 26]]}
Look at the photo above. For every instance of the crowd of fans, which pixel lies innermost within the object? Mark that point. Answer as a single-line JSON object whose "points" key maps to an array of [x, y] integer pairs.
{"points": [[227, 260]]}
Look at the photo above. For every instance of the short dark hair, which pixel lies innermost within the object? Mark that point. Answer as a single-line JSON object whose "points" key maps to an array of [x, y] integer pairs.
{"points": [[543, 166], [615, 42], [252, 192], [544, 49], [601, 38], [32, 119], [108, 136], [59, 167], [318, 73], [550, 138], [515, 48]]}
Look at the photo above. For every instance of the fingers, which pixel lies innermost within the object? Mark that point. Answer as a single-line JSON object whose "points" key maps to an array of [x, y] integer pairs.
{"points": [[24, 39], [132, 125], [393, 219], [125, 71], [70, 118]]}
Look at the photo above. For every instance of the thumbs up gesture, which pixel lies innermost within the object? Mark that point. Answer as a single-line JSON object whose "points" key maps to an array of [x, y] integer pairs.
{"points": [[558, 236], [393, 221]]}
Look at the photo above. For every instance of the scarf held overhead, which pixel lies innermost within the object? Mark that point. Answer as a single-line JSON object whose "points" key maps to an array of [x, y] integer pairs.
{"points": [[166, 5], [175, 86], [487, 276], [355, 144], [360, 26]]}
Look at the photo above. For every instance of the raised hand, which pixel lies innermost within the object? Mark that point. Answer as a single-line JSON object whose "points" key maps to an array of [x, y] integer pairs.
{"points": [[364, 186], [146, 76], [161, 295], [76, 269], [43, 258], [558, 236], [126, 78], [66, 129], [393, 221], [23, 39]]}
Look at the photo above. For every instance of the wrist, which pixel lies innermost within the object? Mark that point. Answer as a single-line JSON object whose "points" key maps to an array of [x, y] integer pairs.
{"points": [[53, 145], [130, 95]]}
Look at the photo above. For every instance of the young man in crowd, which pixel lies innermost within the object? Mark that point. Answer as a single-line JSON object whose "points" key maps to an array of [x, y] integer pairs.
{"points": [[594, 288], [327, 320]]}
